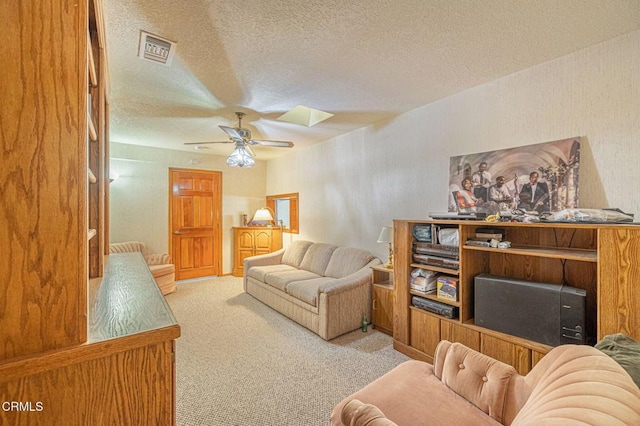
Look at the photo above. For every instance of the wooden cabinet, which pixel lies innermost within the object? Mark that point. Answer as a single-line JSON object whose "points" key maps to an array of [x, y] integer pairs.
{"points": [[591, 257], [53, 236], [253, 241], [382, 302]]}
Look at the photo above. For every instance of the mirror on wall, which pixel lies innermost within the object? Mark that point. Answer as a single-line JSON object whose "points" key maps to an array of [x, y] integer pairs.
{"points": [[285, 209]]}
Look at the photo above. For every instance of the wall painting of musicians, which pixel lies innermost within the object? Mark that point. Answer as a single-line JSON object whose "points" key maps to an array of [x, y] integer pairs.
{"points": [[533, 178]]}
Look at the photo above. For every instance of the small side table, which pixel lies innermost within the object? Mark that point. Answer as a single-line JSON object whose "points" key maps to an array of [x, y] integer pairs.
{"points": [[382, 308]]}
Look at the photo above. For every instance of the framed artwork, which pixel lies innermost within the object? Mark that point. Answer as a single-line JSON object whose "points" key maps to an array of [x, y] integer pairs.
{"points": [[534, 178]]}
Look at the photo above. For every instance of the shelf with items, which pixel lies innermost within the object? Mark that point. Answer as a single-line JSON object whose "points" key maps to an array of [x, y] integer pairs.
{"points": [[433, 296], [436, 269], [582, 255]]}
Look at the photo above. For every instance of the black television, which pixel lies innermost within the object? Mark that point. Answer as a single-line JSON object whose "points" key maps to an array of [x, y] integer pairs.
{"points": [[551, 314]]}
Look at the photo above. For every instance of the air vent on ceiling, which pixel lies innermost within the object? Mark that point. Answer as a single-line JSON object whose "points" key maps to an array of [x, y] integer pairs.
{"points": [[156, 49]]}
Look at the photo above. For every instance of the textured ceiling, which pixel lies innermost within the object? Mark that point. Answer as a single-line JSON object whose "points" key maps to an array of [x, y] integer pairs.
{"points": [[362, 60]]}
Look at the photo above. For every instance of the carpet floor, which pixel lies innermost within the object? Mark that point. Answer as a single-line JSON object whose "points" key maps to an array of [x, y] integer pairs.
{"points": [[238, 362]]}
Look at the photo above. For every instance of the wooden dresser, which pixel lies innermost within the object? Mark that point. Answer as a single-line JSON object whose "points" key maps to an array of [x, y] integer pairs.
{"points": [[252, 241]]}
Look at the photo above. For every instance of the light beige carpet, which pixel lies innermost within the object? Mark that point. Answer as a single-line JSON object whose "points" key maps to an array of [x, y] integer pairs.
{"points": [[238, 362]]}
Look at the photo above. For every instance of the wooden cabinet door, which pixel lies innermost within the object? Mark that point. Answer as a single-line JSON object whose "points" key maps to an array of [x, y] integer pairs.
{"points": [[263, 240], [382, 309], [507, 352], [458, 333], [243, 247], [425, 332]]}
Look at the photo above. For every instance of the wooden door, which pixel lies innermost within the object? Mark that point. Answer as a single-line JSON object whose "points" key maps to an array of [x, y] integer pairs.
{"points": [[195, 211]]}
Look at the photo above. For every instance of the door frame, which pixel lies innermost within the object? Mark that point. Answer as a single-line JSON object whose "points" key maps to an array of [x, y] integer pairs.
{"points": [[216, 212]]}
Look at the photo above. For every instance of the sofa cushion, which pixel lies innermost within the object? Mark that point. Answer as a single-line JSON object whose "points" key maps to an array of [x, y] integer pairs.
{"points": [[317, 257], [481, 380], [307, 290], [347, 260], [280, 279], [294, 254], [259, 272]]}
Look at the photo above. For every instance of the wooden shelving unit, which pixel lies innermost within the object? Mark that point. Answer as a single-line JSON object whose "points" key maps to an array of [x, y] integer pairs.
{"points": [[591, 257], [65, 323]]}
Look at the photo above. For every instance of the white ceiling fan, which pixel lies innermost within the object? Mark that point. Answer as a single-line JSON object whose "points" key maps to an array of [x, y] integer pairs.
{"points": [[242, 155]]}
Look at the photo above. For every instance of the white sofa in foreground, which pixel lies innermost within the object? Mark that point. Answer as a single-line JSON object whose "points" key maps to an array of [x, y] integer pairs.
{"points": [[323, 287]]}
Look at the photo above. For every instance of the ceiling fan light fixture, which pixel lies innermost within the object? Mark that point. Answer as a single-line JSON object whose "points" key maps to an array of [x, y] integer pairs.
{"points": [[304, 116], [240, 157]]}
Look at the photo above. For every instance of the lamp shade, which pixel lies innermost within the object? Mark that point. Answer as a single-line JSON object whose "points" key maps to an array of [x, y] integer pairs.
{"points": [[262, 215], [386, 235]]}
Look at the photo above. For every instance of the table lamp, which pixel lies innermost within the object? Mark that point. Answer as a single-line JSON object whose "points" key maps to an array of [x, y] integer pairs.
{"points": [[262, 215], [386, 236]]}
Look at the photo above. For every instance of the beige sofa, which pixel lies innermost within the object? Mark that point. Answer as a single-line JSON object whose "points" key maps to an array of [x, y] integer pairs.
{"points": [[160, 264], [323, 287], [571, 385]]}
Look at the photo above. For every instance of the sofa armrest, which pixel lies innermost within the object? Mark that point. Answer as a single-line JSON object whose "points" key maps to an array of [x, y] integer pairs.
{"points": [[578, 384], [357, 279], [157, 259], [480, 379], [357, 413], [272, 258]]}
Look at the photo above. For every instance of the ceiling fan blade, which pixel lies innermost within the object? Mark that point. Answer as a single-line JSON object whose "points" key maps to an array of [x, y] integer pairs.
{"points": [[204, 143], [282, 144], [232, 132]]}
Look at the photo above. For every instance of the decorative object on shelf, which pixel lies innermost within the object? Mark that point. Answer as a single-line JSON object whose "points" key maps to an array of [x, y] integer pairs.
{"points": [[262, 217], [422, 233], [386, 236]]}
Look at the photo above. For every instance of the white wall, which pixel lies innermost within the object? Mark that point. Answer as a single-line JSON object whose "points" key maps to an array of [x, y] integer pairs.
{"points": [[353, 185], [139, 198]]}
